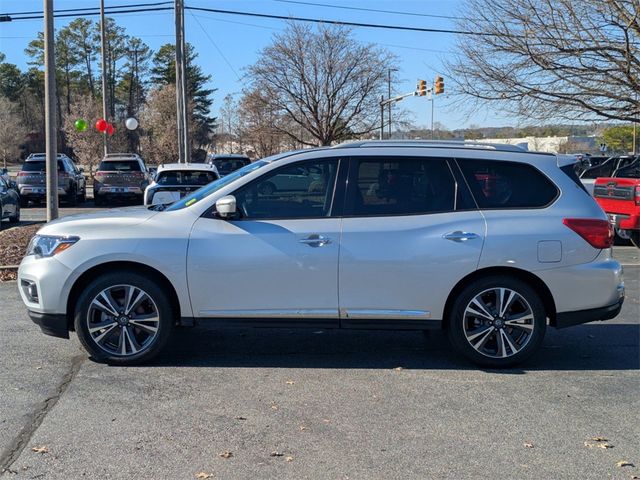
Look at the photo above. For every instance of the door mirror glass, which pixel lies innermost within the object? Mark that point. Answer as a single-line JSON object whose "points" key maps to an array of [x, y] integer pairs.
{"points": [[226, 206]]}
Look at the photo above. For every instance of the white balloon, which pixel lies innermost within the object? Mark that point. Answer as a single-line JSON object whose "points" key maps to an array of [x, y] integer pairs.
{"points": [[131, 123]]}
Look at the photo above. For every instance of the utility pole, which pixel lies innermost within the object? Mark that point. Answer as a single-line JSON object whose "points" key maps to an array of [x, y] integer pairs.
{"points": [[103, 51], [180, 83], [51, 137], [382, 117], [389, 70]]}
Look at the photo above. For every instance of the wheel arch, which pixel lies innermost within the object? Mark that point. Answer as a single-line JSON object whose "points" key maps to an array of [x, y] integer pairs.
{"points": [[123, 266], [528, 277]]}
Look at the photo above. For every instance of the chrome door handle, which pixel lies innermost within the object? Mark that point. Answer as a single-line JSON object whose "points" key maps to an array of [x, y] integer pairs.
{"points": [[315, 240], [460, 236]]}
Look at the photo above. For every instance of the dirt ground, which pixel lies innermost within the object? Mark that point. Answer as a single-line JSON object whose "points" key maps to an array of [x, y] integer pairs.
{"points": [[13, 245]]}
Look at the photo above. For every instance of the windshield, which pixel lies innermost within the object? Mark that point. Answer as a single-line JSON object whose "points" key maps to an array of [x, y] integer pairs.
{"points": [[215, 186], [186, 177]]}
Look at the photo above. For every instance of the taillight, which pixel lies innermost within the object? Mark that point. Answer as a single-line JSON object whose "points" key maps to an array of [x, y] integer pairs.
{"points": [[597, 233], [100, 174], [637, 194], [23, 174]]}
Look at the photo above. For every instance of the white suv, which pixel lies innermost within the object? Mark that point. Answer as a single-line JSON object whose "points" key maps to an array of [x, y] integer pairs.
{"points": [[488, 242]]}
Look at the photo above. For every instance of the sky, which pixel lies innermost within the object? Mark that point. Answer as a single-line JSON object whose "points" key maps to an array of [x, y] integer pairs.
{"points": [[228, 44]]}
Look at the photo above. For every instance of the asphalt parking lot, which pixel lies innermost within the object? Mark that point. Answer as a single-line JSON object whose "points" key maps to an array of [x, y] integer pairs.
{"points": [[322, 404]]}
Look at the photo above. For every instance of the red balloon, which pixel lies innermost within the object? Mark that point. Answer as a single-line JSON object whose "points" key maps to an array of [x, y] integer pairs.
{"points": [[110, 129], [101, 125]]}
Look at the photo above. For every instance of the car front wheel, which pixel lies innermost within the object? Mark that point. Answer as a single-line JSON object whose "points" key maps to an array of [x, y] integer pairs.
{"points": [[123, 318], [497, 322]]}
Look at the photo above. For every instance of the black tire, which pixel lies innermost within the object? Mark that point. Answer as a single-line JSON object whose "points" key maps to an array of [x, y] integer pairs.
{"points": [[150, 344], [72, 197], [15, 218], [522, 340], [635, 238], [98, 201], [621, 237], [24, 202]]}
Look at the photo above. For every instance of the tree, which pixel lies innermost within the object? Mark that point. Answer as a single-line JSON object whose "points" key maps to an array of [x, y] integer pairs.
{"points": [[12, 131], [619, 138], [542, 59], [163, 72], [322, 80], [88, 145], [257, 125], [85, 42], [158, 121]]}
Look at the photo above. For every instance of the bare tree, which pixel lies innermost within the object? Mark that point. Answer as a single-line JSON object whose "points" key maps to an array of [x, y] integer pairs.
{"points": [[87, 146], [257, 125], [551, 59], [12, 132], [322, 80], [228, 123]]}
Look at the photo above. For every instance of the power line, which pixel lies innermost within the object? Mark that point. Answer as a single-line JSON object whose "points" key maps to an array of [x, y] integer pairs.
{"points": [[40, 12], [216, 47], [362, 9], [339, 22], [93, 13]]}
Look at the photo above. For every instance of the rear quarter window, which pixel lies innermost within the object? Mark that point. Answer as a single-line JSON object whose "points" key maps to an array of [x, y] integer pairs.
{"points": [[507, 185]]}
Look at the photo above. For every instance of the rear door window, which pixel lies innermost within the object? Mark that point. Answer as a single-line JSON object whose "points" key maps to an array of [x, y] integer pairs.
{"points": [[498, 184], [119, 166], [400, 186]]}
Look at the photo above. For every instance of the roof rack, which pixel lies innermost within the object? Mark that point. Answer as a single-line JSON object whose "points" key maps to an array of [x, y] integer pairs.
{"points": [[462, 144]]}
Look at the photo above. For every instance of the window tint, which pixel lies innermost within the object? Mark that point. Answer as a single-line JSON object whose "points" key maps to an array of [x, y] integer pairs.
{"points": [[497, 184], [39, 166], [226, 166], [189, 177], [401, 186], [119, 166], [294, 191]]}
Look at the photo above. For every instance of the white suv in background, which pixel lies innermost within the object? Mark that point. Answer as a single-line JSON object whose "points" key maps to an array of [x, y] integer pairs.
{"points": [[487, 242]]}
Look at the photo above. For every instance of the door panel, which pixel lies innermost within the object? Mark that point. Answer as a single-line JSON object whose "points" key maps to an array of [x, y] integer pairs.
{"points": [[268, 268], [403, 267]]}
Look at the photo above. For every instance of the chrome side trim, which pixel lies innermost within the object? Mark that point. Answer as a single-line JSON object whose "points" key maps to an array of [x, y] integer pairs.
{"points": [[268, 313], [385, 314]]}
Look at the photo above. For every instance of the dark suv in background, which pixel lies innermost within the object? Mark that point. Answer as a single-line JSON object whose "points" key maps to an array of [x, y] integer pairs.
{"points": [[228, 162], [120, 175], [31, 180]]}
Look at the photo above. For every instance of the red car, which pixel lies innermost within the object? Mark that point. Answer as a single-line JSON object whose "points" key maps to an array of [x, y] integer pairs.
{"points": [[619, 196]]}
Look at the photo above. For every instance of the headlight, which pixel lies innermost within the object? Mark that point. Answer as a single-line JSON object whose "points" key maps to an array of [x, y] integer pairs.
{"points": [[49, 245]]}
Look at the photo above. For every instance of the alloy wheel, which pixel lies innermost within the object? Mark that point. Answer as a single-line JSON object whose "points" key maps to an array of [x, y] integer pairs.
{"points": [[123, 320], [498, 322]]}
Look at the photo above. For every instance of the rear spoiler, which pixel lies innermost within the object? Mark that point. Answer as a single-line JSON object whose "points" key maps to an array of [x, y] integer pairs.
{"points": [[564, 160]]}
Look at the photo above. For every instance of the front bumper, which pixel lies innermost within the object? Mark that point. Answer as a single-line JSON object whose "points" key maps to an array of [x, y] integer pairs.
{"points": [[52, 324]]}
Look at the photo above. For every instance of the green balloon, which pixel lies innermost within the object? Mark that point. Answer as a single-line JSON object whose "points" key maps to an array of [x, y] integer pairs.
{"points": [[81, 125]]}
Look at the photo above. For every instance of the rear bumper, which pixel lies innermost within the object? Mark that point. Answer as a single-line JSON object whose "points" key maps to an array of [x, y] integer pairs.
{"points": [[51, 324], [37, 192], [568, 319]]}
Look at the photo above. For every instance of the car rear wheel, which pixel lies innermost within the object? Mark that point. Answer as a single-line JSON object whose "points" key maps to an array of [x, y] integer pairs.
{"points": [[123, 318], [497, 322], [634, 236], [16, 217]]}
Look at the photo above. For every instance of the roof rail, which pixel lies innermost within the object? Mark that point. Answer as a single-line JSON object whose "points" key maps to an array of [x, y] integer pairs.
{"points": [[121, 155], [462, 144]]}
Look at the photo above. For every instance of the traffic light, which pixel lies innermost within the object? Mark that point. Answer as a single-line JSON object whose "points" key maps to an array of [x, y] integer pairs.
{"points": [[421, 88], [439, 85]]}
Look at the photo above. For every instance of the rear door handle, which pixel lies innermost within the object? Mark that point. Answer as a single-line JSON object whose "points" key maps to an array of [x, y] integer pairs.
{"points": [[460, 236], [315, 240]]}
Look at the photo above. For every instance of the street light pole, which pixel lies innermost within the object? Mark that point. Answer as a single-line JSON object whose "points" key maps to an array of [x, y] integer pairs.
{"points": [[382, 117], [103, 51], [51, 137]]}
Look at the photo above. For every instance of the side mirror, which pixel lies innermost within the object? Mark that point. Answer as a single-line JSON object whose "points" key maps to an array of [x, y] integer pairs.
{"points": [[226, 207]]}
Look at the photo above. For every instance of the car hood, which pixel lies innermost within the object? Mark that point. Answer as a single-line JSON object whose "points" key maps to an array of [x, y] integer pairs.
{"points": [[96, 222]]}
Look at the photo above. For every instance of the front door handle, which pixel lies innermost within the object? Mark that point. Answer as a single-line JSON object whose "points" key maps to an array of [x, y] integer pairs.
{"points": [[315, 240], [460, 236]]}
